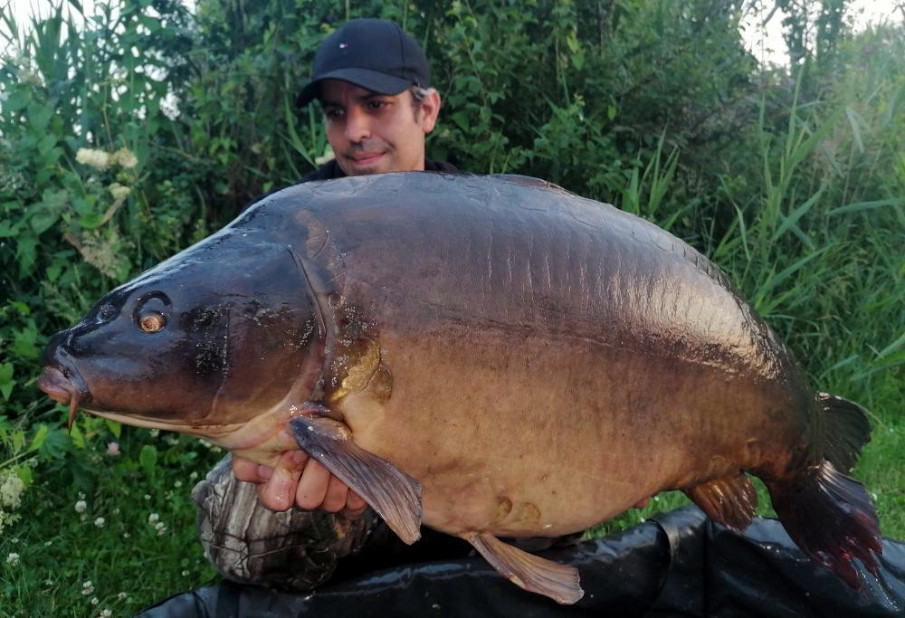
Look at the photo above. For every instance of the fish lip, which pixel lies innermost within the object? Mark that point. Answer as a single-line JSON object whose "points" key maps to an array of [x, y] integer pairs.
{"points": [[65, 385]]}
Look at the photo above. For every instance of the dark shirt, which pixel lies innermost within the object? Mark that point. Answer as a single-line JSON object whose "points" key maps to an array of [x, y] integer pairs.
{"points": [[331, 169]]}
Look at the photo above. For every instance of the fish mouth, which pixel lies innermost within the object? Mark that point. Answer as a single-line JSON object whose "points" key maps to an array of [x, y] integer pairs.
{"points": [[64, 389]]}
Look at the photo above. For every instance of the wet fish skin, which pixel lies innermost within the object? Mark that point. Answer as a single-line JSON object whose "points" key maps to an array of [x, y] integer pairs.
{"points": [[532, 362]]}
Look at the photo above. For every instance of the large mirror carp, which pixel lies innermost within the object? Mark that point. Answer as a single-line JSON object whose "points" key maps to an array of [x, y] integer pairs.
{"points": [[490, 356]]}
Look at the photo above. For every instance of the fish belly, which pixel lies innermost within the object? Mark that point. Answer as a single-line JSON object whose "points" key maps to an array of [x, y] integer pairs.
{"points": [[521, 436]]}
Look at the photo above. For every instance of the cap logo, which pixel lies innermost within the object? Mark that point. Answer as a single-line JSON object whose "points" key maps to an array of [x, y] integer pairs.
{"points": [[343, 45]]}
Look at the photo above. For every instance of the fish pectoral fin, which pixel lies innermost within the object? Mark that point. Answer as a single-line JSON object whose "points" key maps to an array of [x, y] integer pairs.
{"points": [[729, 500], [391, 492], [560, 582]]}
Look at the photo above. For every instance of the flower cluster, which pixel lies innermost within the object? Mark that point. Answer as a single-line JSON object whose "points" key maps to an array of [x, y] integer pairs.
{"points": [[98, 159], [159, 526], [118, 191], [102, 160], [11, 488]]}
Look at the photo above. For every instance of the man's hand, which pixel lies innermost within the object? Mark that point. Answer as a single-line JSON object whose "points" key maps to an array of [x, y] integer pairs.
{"points": [[301, 480]]}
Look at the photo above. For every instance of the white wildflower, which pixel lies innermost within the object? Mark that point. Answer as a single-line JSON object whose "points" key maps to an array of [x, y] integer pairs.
{"points": [[13, 559], [126, 158], [95, 600], [87, 588], [177, 484], [99, 522], [122, 596], [106, 613], [193, 476], [186, 573], [81, 506], [11, 490], [153, 518], [98, 159], [154, 433]]}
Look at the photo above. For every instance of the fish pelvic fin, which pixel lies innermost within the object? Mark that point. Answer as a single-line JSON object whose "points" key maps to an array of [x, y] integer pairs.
{"points": [[847, 431], [532, 573], [391, 492], [730, 501], [831, 518]]}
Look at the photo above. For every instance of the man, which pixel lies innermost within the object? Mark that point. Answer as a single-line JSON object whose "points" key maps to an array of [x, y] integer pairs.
{"points": [[373, 82]]}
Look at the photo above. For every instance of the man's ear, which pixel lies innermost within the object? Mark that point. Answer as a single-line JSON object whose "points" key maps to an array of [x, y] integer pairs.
{"points": [[430, 109]]}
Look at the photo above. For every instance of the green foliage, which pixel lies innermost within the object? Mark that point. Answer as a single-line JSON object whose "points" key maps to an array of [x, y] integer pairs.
{"points": [[127, 137]]}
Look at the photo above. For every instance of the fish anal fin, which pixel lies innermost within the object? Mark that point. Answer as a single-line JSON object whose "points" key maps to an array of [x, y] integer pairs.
{"points": [[729, 500], [560, 582], [391, 492]]}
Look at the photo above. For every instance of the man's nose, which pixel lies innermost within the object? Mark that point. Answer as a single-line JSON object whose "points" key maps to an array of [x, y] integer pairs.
{"points": [[358, 126]]}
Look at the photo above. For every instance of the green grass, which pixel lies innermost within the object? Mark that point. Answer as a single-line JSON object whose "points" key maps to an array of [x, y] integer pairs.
{"points": [[125, 543]]}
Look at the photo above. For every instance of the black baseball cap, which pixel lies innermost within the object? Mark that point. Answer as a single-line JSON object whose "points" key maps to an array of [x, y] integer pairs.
{"points": [[374, 54]]}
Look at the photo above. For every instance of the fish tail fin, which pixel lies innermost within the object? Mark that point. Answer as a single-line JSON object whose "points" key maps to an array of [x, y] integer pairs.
{"points": [[830, 517], [847, 431]]}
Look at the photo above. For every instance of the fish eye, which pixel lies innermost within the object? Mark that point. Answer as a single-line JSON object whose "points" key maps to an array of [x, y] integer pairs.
{"points": [[152, 322], [151, 313]]}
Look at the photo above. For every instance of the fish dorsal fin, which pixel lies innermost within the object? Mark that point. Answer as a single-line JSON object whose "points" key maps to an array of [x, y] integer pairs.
{"points": [[392, 493], [729, 500], [532, 573]]}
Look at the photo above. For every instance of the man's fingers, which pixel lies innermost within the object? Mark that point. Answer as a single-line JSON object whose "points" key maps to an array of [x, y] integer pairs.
{"points": [[246, 470], [300, 480], [278, 493], [335, 499], [355, 506], [312, 488]]}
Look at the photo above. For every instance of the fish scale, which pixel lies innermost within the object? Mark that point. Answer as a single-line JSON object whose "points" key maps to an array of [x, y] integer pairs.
{"points": [[488, 356]]}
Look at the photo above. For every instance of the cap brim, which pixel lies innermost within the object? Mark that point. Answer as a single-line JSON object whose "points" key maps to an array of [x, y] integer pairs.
{"points": [[365, 78]]}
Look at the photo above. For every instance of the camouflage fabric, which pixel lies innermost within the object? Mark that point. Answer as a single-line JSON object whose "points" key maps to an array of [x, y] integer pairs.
{"points": [[299, 550], [248, 543]]}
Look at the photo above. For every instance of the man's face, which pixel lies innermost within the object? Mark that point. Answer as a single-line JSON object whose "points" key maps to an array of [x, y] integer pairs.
{"points": [[374, 133]]}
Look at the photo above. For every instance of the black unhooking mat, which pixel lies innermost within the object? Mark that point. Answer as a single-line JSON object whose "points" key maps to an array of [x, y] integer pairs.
{"points": [[679, 564]]}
